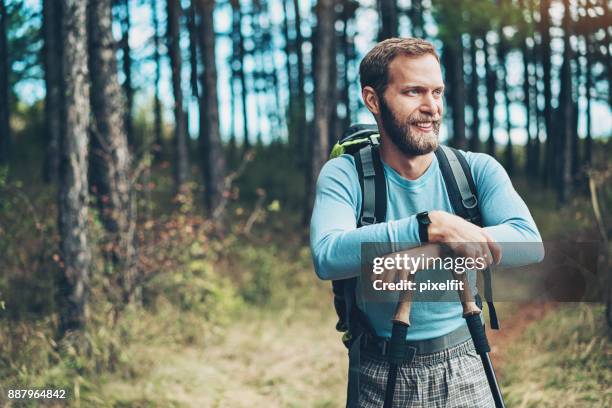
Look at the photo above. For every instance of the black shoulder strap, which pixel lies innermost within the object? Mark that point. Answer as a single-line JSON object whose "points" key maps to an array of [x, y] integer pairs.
{"points": [[463, 197]]}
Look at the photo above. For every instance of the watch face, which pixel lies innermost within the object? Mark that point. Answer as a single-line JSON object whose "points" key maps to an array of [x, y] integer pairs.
{"points": [[424, 218]]}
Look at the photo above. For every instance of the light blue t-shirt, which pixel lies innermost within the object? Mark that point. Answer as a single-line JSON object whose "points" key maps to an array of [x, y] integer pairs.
{"points": [[336, 240]]}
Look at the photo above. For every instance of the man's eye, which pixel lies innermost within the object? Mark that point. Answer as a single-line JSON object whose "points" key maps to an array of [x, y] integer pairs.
{"points": [[438, 92], [412, 92]]}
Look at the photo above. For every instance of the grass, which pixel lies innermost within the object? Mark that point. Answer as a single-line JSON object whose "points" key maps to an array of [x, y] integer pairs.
{"points": [[561, 361]]}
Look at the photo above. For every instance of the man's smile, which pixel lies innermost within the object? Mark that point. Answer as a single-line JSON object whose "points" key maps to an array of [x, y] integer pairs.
{"points": [[425, 127]]}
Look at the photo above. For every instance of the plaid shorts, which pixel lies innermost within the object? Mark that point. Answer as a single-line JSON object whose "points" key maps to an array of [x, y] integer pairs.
{"points": [[450, 378]]}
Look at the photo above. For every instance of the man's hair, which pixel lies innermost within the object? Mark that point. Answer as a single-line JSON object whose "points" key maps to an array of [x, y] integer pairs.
{"points": [[374, 68]]}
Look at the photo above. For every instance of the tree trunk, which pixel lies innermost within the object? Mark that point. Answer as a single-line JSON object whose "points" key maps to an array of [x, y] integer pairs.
{"points": [[491, 82], [127, 71], [214, 162], [73, 191], [240, 53], [110, 157], [323, 66], [52, 15], [453, 61], [193, 48], [416, 17], [545, 55], [529, 168], [474, 139], [588, 143], [157, 103], [181, 165], [5, 130], [566, 110], [502, 56], [302, 125], [389, 19]]}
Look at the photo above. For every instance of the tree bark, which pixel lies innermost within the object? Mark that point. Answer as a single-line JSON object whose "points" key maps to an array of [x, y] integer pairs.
{"points": [[389, 19], [110, 157], [193, 48], [502, 57], [302, 125], [237, 24], [474, 83], [181, 165], [214, 162], [588, 143], [323, 66], [5, 130], [566, 111], [128, 88], [157, 150], [453, 61], [545, 55], [491, 82], [73, 191], [52, 17]]}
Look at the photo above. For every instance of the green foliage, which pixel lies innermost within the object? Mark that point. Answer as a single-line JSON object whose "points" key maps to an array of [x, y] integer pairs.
{"points": [[282, 181]]}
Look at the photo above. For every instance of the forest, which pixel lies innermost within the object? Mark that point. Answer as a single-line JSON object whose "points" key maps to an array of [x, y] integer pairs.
{"points": [[158, 164]]}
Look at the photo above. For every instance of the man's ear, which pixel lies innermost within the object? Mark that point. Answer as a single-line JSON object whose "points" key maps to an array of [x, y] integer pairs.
{"points": [[370, 99]]}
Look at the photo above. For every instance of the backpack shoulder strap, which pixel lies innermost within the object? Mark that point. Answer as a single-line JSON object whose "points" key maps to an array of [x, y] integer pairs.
{"points": [[459, 183], [373, 185], [463, 197]]}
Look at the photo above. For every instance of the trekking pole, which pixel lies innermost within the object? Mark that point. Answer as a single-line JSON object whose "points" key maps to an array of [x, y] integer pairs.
{"points": [[471, 313], [396, 353]]}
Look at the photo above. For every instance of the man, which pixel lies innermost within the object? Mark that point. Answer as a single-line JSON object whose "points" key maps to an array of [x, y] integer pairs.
{"points": [[402, 87]]}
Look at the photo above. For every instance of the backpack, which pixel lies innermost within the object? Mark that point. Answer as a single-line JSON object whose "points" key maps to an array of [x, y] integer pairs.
{"points": [[362, 142]]}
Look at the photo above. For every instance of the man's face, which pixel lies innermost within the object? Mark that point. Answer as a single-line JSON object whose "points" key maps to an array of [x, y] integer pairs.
{"points": [[412, 105]]}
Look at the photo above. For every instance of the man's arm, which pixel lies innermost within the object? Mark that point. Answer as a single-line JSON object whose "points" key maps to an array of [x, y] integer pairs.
{"points": [[506, 217], [334, 237]]}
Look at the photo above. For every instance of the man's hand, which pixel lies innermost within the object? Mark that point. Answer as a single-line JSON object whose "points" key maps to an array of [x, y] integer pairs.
{"points": [[462, 237]]}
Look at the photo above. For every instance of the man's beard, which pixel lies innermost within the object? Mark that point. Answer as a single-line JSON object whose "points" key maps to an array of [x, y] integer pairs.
{"points": [[401, 134]]}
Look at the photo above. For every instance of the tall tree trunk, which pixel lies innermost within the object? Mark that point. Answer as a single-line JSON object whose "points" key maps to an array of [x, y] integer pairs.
{"points": [[52, 17], [214, 162], [545, 55], [416, 17], [73, 191], [302, 125], [181, 165], [333, 95], [588, 143], [237, 24], [110, 157], [566, 110], [291, 81], [128, 88], [323, 66], [389, 19], [474, 139], [453, 61], [5, 130], [529, 168], [193, 48], [502, 56], [491, 82], [157, 102]]}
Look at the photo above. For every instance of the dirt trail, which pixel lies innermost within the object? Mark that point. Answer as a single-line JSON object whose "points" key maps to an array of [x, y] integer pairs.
{"points": [[514, 322], [292, 360]]}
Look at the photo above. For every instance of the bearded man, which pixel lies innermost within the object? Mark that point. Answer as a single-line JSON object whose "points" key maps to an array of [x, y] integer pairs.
{"points": [[402, 87]]}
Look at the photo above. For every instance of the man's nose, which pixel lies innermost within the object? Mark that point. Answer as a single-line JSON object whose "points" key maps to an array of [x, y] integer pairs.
{"points": [[429, 104]]}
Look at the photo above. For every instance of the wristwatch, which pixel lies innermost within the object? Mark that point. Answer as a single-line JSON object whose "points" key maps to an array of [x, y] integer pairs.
{"points": [[424, 221]]}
